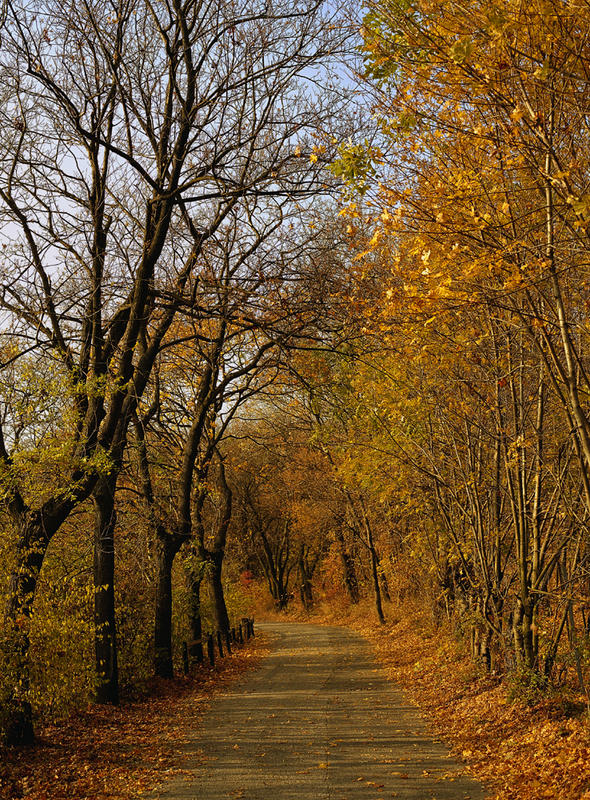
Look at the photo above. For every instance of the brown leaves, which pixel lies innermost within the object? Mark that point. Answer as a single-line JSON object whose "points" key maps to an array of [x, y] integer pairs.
{"points": [[118, 753], [523, 753]]}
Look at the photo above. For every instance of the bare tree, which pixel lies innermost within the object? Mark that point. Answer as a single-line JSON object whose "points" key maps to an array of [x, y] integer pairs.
{"points": [[133, 132]]}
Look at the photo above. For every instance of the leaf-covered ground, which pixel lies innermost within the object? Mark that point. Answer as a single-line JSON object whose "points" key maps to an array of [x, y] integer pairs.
{"points": [[521, 751], [119, 753]]}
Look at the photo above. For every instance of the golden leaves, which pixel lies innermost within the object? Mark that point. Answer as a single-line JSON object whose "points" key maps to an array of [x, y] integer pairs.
{"points": [[462, 50]]}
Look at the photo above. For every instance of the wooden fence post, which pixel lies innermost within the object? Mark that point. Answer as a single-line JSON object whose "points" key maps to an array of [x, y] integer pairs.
{"points": [[185, 657], [228, 642], [219, 644]]}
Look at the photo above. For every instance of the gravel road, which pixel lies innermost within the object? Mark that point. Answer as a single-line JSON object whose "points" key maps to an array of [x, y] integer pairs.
{"points": [[317, 721]]}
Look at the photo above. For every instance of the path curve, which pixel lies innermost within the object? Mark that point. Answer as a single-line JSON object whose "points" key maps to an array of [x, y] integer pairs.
{"points": [[317, 721]]}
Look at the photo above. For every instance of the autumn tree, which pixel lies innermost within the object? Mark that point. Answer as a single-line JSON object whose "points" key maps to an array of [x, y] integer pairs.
{"points": [[473, 189], [132, 134]]}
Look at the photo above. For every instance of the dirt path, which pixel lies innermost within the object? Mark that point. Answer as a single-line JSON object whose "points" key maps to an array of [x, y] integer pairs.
{"points": [[317, 721]]}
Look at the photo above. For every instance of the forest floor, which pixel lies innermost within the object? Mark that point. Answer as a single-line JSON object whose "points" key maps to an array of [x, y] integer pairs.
{"points": [[118, 753], [523, 748]]}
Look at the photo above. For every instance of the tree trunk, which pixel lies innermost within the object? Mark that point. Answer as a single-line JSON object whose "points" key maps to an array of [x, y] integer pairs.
{"points": [[525, 646], [306, 570], [376, 587], [278, 589], [32, 544], [216, 555], [219, 606], [105, 637], [350, 578], [195, 622], [168, 543], [17, 711], [194, 578], [36, 528], [282, 588], [305, 590], [276, 565], [374, 565], [166, 549]]}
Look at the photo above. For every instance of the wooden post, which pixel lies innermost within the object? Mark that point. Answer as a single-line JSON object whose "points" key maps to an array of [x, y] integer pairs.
{"points": [[185, 657], [240, 634], [210, 649], [219, 644], [246, 627], [228, 642], [252, 627]]}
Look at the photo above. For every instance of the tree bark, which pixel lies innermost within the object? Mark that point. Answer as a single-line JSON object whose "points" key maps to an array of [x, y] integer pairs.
{"points": [[276, 565], [219, 606], [350, 578], [194, 581], [166, 549], [35, 530], [374, 560], [306, 568], [384, 584], [17, 711], [214, 556], [305, 588], [375, 574], [105, 637]]}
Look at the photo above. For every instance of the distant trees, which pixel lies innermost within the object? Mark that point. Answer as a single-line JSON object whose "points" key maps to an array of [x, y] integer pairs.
{"points": [[284, 511]]}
